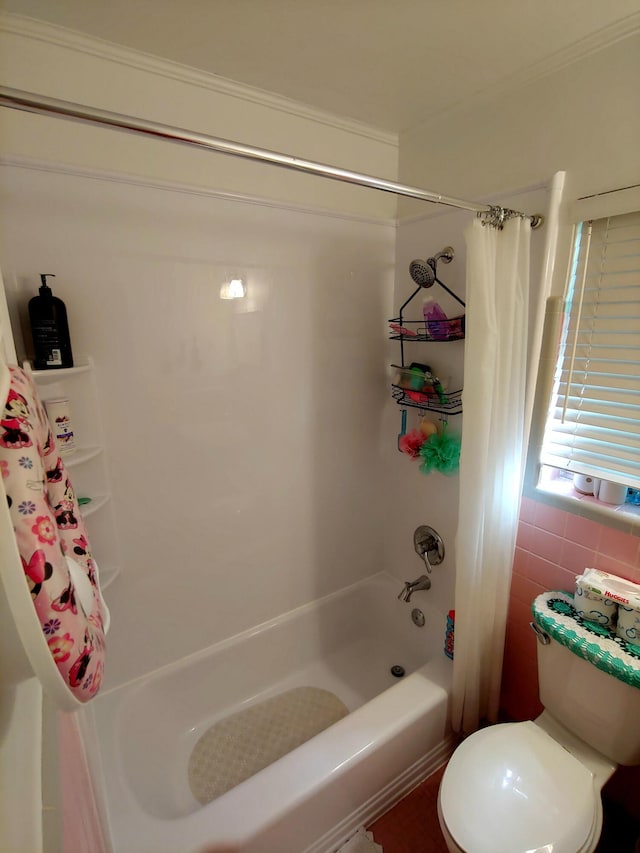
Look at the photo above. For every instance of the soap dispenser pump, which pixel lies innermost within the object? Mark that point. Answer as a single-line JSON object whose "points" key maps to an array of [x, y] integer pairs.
{"points": [[50, 329]]}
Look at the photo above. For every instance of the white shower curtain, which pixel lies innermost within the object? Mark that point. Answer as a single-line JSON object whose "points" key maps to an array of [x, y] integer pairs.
{"points": [[491, 461]]}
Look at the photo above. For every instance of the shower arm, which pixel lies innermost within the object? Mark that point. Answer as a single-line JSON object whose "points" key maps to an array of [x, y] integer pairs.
{"points": [[17, 99]]}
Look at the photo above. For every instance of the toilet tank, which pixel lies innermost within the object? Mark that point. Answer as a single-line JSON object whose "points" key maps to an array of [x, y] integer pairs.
{"points": [[597, 707]]}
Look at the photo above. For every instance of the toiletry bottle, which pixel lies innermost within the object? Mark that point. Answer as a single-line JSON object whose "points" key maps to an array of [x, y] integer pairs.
{"points": [[449, 634], [50, 329], [436, 321]]}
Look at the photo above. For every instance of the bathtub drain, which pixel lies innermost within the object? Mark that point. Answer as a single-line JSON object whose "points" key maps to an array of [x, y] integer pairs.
{"points": [[397, 671]]}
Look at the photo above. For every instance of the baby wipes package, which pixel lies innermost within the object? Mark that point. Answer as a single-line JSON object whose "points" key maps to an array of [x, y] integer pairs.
{"points": [[599, 595], [591, 604], [629, 624]]}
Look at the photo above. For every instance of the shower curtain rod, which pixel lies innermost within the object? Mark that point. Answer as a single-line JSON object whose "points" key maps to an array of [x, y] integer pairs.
{"points": [[42, 105]]}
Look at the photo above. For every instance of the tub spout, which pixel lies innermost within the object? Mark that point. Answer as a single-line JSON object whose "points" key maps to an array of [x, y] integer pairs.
{"points": [[410, 587]]}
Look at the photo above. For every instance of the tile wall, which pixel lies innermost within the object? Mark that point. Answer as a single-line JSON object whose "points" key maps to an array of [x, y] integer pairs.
{"points": [[551, 549]]}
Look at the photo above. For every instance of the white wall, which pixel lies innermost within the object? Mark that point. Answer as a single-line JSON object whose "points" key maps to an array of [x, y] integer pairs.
{"points": [[243, 438], [583, 118]]}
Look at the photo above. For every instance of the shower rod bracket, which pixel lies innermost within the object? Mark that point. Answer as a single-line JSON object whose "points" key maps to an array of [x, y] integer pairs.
{"points": [[496, 217]]}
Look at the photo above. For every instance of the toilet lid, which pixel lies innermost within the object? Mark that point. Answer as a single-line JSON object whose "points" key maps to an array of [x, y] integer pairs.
{"points": [[511, 788]]}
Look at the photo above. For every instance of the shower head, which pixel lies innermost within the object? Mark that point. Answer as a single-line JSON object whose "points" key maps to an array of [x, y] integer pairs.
{"points": [[424, 272]]}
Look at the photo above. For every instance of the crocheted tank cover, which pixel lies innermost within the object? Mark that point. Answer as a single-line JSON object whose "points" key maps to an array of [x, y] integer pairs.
{"points": [[48, 526], [556, 614]]}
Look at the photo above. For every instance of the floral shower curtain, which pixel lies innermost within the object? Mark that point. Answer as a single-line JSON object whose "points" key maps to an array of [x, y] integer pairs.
{"points": [[492, 460]]}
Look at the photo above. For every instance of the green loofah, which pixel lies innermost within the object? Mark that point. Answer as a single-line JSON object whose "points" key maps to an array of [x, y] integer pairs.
{"points": [[440, 452]]}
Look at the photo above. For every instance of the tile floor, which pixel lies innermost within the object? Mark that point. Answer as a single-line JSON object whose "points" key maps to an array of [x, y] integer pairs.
{"points": [[411, 826]]}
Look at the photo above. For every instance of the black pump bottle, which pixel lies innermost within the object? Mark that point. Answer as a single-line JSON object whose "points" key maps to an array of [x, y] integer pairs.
{"points": [[50, 329]]}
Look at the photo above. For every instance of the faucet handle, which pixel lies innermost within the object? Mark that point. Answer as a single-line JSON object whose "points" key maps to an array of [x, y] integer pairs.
{"points": [[428, 544]]}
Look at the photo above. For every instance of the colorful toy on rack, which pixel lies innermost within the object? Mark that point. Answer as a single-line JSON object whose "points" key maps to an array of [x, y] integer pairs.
{"points": [[402, 330], [419, 383]]}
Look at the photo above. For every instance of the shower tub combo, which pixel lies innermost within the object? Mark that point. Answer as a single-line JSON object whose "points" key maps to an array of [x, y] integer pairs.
{"points": [[312, 799]]}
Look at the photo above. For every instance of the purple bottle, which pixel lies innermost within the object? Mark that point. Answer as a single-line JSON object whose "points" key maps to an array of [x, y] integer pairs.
{"points": [[436, 321]]}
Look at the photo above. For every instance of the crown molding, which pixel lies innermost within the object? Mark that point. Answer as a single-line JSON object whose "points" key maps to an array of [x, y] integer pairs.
{"points": [[123, 178], [81, 43], [580, 50]]}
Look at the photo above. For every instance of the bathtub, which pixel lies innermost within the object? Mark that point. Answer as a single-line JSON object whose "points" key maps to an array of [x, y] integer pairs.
{"points": [[315, 797]]}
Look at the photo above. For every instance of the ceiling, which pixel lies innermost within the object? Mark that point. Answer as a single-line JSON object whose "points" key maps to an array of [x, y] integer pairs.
{"points": [[388, 63]]}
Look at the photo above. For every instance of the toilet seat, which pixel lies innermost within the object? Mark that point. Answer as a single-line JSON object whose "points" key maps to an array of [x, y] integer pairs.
{"points": [[511, 788]]}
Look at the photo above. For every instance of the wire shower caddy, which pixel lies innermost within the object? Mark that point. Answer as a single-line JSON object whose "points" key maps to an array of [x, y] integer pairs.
{"points": [[412, 387]]}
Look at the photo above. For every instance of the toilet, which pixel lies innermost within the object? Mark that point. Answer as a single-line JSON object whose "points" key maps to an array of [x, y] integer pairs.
{"points": [[534, 786]]}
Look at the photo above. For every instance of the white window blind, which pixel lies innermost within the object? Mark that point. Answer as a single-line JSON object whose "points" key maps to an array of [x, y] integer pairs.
{"points": [[593, 424]]}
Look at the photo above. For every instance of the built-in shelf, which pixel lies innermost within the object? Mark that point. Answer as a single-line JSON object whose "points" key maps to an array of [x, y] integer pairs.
{"points": [[97, 503], [78, 383], [107, 575], [80, 455], [59, 374]]}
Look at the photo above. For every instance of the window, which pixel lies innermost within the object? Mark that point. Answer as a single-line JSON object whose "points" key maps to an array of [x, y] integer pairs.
{"points": [[592, 425]]}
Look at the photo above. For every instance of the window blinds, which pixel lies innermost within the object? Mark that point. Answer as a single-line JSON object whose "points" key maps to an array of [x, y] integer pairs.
{"points": [[593, 425]]}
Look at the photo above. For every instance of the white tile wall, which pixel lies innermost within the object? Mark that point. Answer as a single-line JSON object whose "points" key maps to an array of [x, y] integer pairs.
{"points": [[243, 437]]}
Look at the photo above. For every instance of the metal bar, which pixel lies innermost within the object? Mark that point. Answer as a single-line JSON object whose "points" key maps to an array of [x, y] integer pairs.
{"points": [[42, 105], [450, 292]]}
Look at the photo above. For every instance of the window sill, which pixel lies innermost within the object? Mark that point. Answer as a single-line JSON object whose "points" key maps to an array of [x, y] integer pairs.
{"points": [[561, 494]]}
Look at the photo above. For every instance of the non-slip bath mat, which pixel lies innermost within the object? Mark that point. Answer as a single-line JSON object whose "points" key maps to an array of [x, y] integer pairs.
{"points": [[240, 745]]}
